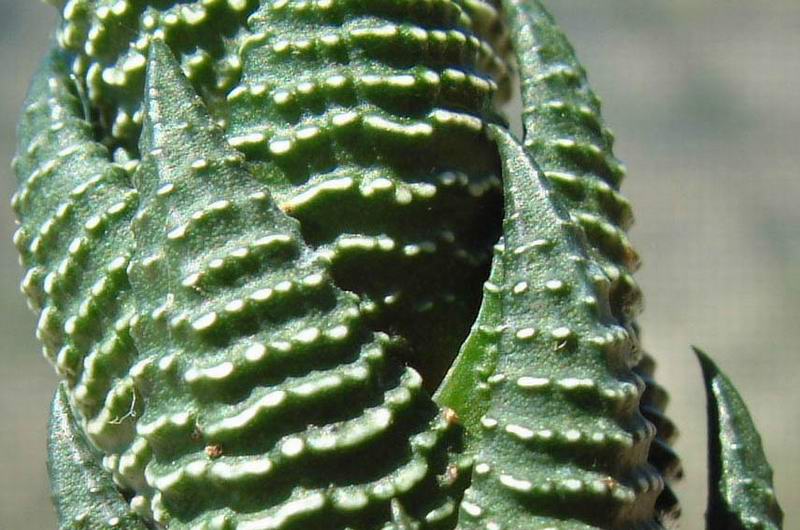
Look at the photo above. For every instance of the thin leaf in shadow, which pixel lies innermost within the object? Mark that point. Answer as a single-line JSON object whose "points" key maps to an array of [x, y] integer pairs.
{"points": [[739, 477]]}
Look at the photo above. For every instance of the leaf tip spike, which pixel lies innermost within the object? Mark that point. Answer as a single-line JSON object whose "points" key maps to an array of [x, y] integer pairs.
{"points": [[741, 494]]}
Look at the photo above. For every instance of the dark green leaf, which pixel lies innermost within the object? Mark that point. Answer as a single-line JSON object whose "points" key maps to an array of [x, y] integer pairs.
{"points": [[740, 492]]}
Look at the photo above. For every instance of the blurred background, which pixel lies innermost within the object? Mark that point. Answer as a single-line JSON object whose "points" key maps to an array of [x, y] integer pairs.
{"points": [[703, 96]]}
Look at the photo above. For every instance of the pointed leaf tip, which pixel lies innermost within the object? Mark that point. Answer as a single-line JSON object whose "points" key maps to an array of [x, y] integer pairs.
{"points": [[163, 67], [159, 57], [741, 495], [540, 335], [168, 96], [178, 129]]}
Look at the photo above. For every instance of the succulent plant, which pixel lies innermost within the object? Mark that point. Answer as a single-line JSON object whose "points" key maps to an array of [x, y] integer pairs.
{"points": [[295, 271]]}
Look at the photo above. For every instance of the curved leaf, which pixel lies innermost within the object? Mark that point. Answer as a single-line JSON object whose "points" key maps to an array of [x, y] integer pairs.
{"points": [[84, 493], [740, 491], [75, 206], [465, 388], [562, 442], [566, 135]]}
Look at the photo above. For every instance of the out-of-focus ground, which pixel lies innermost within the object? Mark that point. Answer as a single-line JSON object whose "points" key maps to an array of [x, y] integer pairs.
{"points": [[703, 97]]}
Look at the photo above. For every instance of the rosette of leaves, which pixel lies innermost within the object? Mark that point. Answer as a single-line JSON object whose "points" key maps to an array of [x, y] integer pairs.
{"points": [[256, 235]]}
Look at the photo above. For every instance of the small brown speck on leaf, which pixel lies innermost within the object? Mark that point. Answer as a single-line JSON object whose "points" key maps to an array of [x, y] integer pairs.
{"points": [[452, 473], [213, 451]]}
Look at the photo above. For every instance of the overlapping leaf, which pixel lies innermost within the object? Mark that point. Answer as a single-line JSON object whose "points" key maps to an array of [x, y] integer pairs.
{"points": [[562, 441], [565, 133], [214, 353], [329, 99], [267, 402]]}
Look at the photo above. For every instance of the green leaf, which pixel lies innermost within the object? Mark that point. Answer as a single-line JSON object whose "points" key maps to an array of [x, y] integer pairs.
{"points": [[267, 401], [741, 495], [75, 207], [566, 135], [84, 493], [108, 45], [563, 442], [364, 120], [465, 388]]}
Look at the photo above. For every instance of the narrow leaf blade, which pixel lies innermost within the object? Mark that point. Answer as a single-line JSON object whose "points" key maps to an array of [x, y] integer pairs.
{"points": [[741, 494]]}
